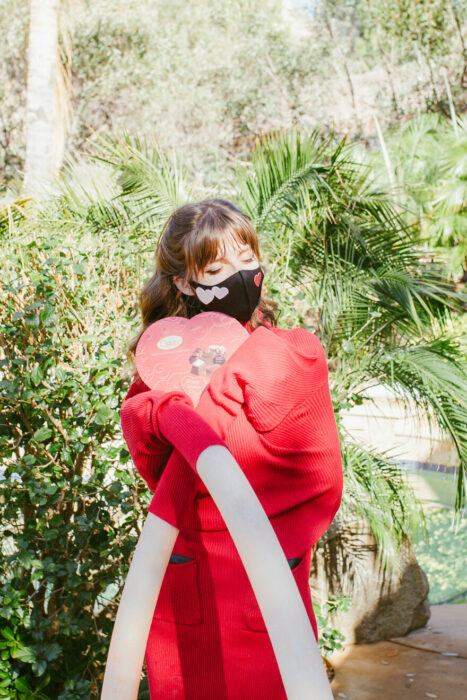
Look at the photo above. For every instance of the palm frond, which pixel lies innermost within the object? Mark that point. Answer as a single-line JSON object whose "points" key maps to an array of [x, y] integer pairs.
{"points": [[434, 374], [350, 250], [279, 164], [154, 183], [378, 491]]}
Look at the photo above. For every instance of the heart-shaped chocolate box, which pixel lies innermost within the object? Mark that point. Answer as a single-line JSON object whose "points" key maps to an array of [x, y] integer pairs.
{"points": [[177, 353]]}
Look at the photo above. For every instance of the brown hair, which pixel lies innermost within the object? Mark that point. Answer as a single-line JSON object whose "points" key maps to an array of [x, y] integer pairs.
{"points": [[190, 240]]}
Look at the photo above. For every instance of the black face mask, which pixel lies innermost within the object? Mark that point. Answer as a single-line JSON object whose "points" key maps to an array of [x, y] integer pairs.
{"points": [[236, 296]]}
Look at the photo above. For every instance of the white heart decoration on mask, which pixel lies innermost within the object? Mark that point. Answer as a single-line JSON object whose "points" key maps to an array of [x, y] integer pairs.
{"points": [[220, 292], [204, 295]]}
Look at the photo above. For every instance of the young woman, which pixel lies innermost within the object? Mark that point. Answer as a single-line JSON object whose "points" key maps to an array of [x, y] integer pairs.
{"points": [[270, 405]]}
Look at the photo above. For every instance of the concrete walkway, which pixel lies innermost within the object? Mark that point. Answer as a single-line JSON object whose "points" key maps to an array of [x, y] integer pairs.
{"points": [[430, 662]]}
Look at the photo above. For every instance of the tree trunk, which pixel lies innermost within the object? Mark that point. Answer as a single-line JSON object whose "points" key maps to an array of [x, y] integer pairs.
{"points": [[41, 96], [458, 23]]}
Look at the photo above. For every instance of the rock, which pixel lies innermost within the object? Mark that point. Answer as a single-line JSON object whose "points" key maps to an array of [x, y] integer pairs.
{"points": [[330, 671], [385, 604]]}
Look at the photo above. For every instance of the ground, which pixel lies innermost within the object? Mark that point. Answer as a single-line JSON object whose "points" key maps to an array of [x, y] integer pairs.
{"points": [[430, 662]]}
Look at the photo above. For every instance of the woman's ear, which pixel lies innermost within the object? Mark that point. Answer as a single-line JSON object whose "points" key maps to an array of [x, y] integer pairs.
{"points": [[183, 285]]}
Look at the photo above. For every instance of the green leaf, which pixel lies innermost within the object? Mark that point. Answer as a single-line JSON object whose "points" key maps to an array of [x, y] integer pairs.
{"points": [[39, 666], [42, 434], [21, 684], [7, 634], [25, 558], [103, 414], [52, 651], [33, 320], [25, 654], [36, 375]]}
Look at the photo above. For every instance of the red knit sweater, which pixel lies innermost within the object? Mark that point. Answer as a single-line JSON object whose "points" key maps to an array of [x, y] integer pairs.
{"points": [[270, 405]]}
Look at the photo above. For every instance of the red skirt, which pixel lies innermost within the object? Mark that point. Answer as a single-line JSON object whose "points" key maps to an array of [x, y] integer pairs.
{"points": [[207, 638]]}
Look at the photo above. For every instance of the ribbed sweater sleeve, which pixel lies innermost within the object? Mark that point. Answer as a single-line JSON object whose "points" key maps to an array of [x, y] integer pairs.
{"points": [[175, 491], [148, 448], [153, 423], [186, 430], [190, 433]]}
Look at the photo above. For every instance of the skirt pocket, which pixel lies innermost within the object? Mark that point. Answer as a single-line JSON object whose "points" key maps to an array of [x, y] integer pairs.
{"points": [[252, 614], [179, 599]]}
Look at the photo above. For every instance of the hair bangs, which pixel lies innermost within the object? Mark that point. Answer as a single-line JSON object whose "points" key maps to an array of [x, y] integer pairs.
{"points": [[214, 230]]}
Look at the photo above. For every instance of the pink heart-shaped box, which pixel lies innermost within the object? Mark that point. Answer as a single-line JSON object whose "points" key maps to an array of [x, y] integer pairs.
{"points": [[178, 353]]}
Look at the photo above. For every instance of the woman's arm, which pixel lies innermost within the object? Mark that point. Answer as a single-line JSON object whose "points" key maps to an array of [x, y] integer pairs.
{"points": [[149, 448], [152, 423], [285, 616]]}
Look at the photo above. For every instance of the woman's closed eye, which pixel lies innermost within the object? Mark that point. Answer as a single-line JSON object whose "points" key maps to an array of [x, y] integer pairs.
{"points": [[214, 272]]}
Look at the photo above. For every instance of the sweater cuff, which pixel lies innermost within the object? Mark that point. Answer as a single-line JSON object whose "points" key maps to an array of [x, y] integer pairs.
{"points": [[188, 432]]}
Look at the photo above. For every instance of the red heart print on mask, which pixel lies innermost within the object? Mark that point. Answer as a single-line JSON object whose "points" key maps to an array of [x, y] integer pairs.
{"points": [[257, 279], [181, 354]]}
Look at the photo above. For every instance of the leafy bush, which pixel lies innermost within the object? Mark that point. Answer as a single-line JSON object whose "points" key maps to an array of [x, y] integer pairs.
{"points": [[69, 505], [330, 639]]}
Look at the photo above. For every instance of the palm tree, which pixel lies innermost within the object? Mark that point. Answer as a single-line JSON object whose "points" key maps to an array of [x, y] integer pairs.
{"points": [[447, 227], [380, 305], [429, 162], [48, 96]]}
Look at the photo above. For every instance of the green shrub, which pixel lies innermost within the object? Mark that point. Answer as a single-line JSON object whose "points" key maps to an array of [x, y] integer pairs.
{"points": [[330, 639], [69, 504]]}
